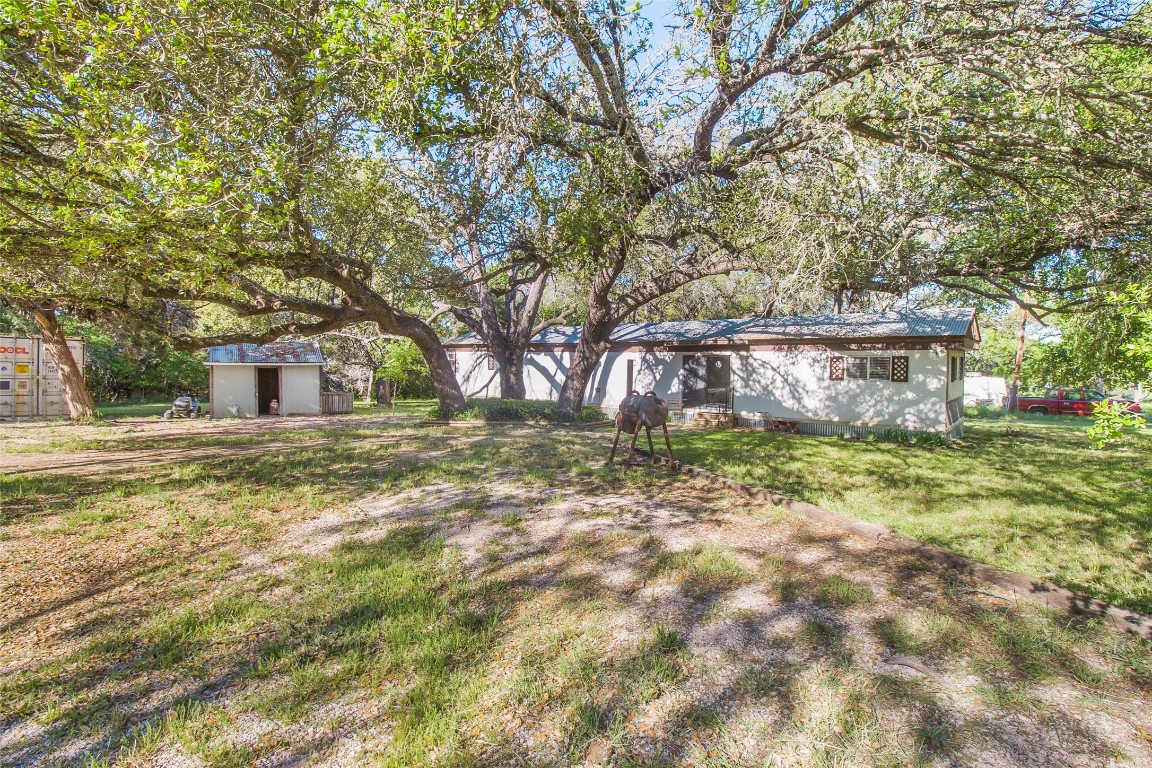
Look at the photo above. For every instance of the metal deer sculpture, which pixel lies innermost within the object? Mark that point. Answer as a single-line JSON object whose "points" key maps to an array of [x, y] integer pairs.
{"points": [[636, 411]]}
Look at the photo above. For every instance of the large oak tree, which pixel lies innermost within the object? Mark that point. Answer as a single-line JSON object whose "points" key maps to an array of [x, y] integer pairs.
{"points": [[1011, 99]]}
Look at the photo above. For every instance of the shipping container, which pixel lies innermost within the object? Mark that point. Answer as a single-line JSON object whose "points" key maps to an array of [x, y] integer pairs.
{"points": [[30, 383]]}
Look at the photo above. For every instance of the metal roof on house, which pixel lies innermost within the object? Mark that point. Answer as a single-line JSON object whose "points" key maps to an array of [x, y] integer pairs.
{"points": [[274, 353], [906, 324]]}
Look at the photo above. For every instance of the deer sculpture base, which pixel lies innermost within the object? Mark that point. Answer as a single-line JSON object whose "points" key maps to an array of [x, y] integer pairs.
{"points": [[638, 412]]}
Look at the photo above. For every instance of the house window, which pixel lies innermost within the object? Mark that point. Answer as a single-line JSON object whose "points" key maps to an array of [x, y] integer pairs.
{"points": [[452, 359], [857, 367], [862, 368], [880, 368], [956, 367], [491, 363]]}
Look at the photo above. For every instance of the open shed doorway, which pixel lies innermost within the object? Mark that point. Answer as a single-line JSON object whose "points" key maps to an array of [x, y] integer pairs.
{"points": [[267, 390]]}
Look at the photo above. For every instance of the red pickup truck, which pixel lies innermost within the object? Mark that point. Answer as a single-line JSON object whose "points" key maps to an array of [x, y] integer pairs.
{"points": [[1069, 402]]}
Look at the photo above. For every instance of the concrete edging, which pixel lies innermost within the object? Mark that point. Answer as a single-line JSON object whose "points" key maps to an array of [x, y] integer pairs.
{"points": [[1045, 593]]}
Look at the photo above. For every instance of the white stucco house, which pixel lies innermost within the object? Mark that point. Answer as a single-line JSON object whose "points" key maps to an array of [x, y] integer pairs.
{"points": [[827, 374], [244, 379]]}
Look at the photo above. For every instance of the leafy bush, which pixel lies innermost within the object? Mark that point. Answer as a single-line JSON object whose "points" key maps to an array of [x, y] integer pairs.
{"points": [[903, 437], [931, 440], [519, 411], [1111, 419]]}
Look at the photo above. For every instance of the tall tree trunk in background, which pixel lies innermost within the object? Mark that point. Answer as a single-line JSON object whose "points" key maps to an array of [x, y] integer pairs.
{"points": [[1014, 395], [75, 389], [508, 335], [584, 360], [512, 376], [383, 392]]}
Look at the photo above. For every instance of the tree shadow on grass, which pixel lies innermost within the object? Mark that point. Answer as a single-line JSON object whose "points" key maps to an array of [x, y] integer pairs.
{"points": [[974, 499], [401, 620]]}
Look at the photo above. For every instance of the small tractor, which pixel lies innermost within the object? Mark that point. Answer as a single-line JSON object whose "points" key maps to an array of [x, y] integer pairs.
{"points": [[185, 406]]}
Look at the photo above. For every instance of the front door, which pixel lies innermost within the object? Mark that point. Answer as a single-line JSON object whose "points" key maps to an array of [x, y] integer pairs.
{"points": [[719, 380], [267, 389], [707, 381]]}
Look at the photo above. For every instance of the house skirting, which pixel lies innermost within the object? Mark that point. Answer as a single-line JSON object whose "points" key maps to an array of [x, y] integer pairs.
{"points": [[823, 428], [840, 429]]}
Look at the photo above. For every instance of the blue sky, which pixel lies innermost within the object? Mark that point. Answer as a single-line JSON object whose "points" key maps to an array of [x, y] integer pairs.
{"points": [[660, 13]]}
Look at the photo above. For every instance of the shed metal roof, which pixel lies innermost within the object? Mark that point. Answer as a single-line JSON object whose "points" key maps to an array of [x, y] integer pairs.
{"points": [[274, 353], [906, 324]]}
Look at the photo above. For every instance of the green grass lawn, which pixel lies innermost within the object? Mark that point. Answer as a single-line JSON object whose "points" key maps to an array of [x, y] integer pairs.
{"points": [[157, 406], [129, 409], [405, 596], [421, 408], [1024, 493]]}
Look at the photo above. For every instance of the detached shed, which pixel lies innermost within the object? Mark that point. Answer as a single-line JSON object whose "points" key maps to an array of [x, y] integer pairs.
{"points": [[245, 378]]}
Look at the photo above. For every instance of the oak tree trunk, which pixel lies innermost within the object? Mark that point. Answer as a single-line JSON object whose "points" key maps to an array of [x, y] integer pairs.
{"points": [[587, 355], [512, 375], [507, 336], [593, 343], [444, 380], [383, 392], [75, 389]]}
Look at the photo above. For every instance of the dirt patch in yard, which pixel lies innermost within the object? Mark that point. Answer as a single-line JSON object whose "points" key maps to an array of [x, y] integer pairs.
{"points": [[464, 604]]}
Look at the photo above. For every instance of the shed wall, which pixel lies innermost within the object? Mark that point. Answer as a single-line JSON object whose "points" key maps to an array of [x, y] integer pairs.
{"points": [[233, 387], [300, 386]]}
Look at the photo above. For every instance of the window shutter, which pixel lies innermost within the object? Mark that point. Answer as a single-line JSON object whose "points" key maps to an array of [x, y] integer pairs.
{"points": [[900, 369], [836, 368]]}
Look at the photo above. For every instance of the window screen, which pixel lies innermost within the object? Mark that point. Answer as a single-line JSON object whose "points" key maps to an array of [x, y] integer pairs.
{"points": [[880, 368], [857, 367]]}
